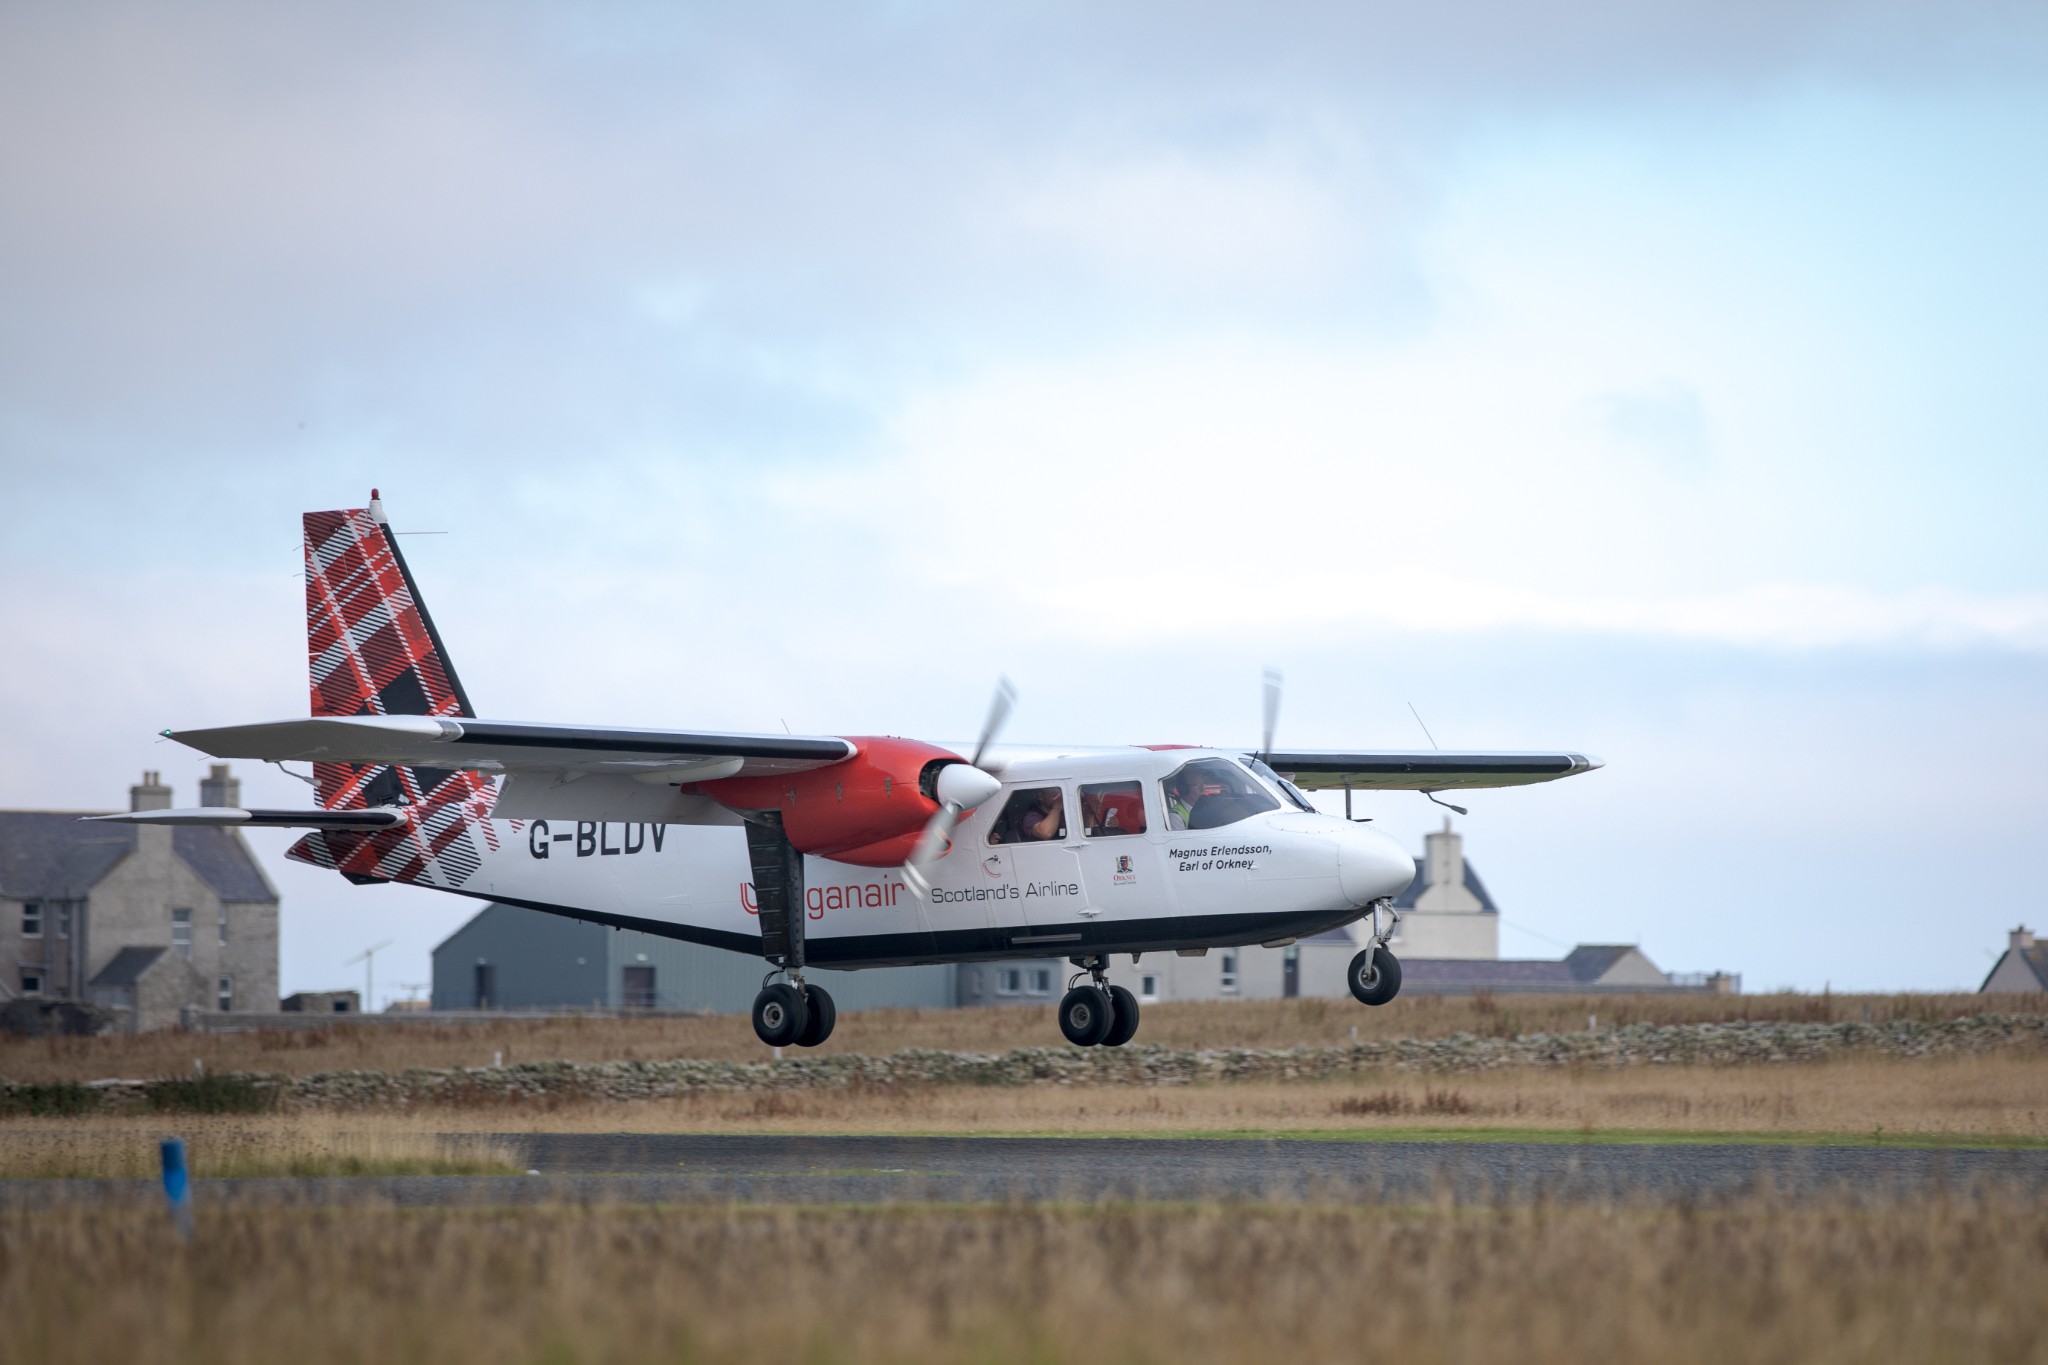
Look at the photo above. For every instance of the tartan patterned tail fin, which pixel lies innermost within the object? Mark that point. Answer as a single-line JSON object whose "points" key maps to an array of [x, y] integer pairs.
{"points": [[372, 650]]}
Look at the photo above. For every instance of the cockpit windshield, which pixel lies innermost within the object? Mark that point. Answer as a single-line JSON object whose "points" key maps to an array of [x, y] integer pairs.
{"points": [[1211, 792], [1280, 784]]}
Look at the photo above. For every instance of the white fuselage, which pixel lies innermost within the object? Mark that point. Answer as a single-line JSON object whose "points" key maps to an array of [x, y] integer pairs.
{"points": [[1264, 876]]}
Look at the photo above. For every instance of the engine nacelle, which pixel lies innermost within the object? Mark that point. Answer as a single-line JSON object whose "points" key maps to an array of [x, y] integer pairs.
{"points": [[867, 810]]}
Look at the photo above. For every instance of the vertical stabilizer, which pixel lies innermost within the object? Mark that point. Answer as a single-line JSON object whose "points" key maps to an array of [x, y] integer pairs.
{"points": [[372, 650]]}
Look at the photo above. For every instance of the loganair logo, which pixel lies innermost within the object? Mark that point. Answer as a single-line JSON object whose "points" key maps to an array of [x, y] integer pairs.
{"points": [[1123, 876], [819, 899]]}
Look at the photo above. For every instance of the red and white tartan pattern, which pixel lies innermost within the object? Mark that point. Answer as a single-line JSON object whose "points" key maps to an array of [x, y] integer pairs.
{"points": [[370, 653]]}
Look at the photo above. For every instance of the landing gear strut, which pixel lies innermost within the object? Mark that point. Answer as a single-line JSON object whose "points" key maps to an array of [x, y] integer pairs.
{"points": [[789, 1012], [1097, 1013], [1375, 974]]}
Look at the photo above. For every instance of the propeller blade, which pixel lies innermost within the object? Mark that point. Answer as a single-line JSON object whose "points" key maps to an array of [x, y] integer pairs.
{"points": [[1272, 710], [960, 787], [938, 832], [998, 712]]}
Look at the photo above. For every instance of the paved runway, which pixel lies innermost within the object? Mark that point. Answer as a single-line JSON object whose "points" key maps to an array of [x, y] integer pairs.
{"points": [[649, 1169]]}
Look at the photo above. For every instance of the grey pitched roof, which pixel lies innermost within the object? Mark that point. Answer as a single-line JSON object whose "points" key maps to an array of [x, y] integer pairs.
{"points": [[1591, 961], [1406, 900], [56, 855], [224, 861], [128, 966], [2035, 957], [51, 854]]}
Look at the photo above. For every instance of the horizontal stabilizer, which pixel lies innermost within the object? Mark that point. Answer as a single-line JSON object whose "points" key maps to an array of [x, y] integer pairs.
{"points": [[1425, 770], [231, 817]]}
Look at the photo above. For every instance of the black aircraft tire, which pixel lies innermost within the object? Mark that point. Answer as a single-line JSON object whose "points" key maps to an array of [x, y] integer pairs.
{"points": [[821, 1015], [1085, 1016], [779, 1015], [1124, 1006], [1374, 976]]}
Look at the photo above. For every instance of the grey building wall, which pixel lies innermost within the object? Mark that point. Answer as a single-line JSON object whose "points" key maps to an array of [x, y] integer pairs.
{"points": [[538, 961]]}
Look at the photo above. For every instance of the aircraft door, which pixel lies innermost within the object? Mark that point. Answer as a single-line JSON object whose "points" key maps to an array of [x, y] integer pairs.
{"points": [[1035, 839], [1119, 853]]}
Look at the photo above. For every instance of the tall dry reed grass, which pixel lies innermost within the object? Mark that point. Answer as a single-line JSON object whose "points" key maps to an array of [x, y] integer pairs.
{"points": [[1246, 1023], [1942, 1279], [225, 1148]]}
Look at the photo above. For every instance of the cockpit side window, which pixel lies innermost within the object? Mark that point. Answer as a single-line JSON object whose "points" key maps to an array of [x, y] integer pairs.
{"points": [[1112, 808], [1031, 815], [1211, 792]]}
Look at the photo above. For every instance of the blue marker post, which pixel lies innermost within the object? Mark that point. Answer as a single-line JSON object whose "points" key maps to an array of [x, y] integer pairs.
{"points": [[177, 1185]]}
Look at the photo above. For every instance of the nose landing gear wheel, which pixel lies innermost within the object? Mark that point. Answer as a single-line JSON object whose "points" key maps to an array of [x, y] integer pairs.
{"points": [[779, 1015], [1124, 1021], [1374, 976], [821, 1015], [1086, 1016]]}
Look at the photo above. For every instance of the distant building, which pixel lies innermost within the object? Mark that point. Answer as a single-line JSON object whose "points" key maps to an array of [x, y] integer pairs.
{"points": [[1445, 912], [2023, 967], [323, 1002], [152, 920], [507, 957]]}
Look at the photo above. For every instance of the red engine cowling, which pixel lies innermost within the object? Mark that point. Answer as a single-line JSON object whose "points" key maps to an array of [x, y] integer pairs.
{"points": [[867, 810]]}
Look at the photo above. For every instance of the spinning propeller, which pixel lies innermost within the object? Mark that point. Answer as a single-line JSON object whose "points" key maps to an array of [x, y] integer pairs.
{"points": [[960, 787]]}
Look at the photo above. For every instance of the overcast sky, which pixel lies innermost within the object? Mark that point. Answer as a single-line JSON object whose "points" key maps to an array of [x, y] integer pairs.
{"points": [[1659, 381]]}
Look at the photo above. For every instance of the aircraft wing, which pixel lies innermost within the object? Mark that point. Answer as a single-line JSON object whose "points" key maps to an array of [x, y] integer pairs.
{"points": [[1429, 770], [659, 757]]}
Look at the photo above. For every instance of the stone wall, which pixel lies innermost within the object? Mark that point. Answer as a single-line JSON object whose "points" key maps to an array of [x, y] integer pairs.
{"points": [[1641, 1045]]}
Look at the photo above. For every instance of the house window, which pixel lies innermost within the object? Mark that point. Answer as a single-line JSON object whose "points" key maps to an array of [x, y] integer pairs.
{"points": [[1041, 981], [181, 932], [1148, 987], [63, 921], [31, 982], [224, 998], [1009, 981], [31, 919], [223, 925], [1228, 980]]}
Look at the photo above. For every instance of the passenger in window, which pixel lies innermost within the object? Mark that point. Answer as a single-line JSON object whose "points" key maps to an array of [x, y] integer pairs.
{"points": [[1031, 816], [1112, 808], [1045, 819]]}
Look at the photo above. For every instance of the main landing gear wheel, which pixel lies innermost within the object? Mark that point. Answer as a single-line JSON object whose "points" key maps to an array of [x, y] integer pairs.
{"points": [[779, 1015], [1374, 976], [821, 1014], [1124, 1022], [1086, 1015]]}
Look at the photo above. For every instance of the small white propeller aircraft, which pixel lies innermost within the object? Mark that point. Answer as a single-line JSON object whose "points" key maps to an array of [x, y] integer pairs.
{"points": [[821, 851]]}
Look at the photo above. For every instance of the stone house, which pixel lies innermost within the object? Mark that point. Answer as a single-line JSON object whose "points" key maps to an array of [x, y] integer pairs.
{"points": [[75, 895], [2022, 967]]}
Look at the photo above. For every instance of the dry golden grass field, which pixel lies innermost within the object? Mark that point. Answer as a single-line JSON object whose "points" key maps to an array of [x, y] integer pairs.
{"points": [[1993, 1098], [1249, 1023], [1954, 1278]]}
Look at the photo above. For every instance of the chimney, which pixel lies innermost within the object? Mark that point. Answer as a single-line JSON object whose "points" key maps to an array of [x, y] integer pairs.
{"points": [[217, 788], [150, 793], [1443, 858], [2021, 937]]}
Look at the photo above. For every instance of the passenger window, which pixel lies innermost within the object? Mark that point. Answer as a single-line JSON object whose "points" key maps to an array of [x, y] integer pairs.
{"points": [[1211, 792], [1112, 808], [1031, 815]]}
